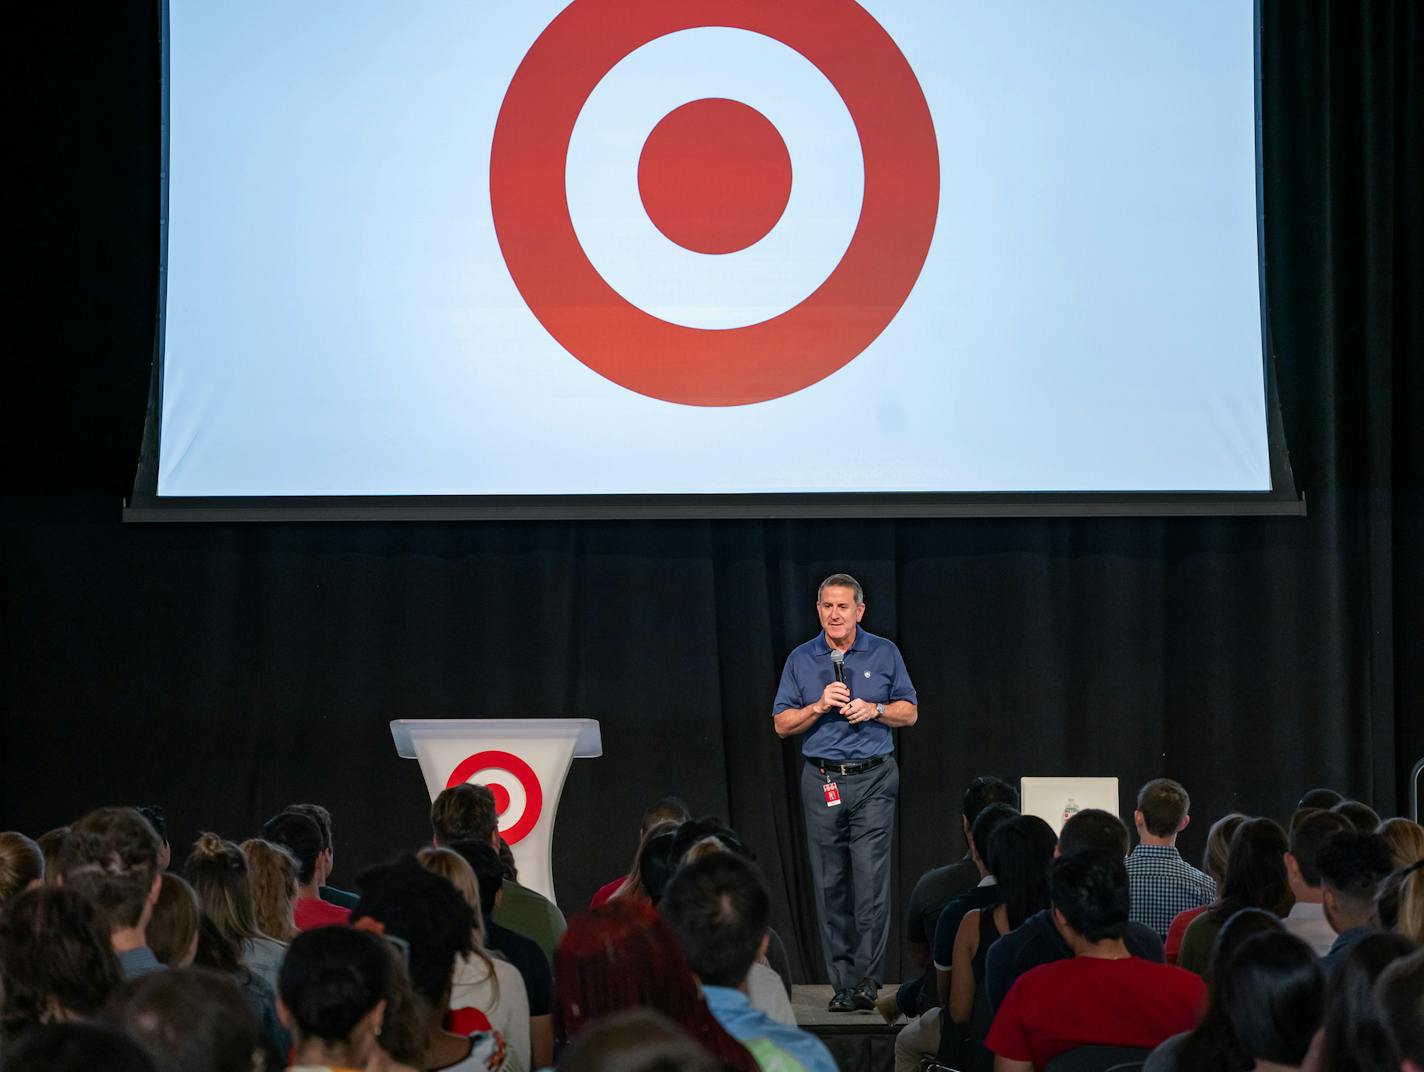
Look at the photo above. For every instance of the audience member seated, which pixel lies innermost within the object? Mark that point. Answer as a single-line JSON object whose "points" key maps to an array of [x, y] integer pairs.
{"points": [[326, 862], [1406, 841], [1356, 1038], [1388, 898], [485, 993], [56, 961], [631, 886], [766, 990], [528, 908], [656, 862], [1361, 816], [1307, 916], [403, 1035], [468, 811], [272, 872], [709, 831], [22, 865], [50, 842], [188, 1019], [1399, 996], [1101, 996], [222, 955], [333, 991], [218, 873], [158, 819], [1273, 995], [173, 928], [1324, 799], [623, 955], [1163, 884], [300, 835], [925, 1033], [111, 857], [1019, 856], [1255, 878], [77, 1047], [1038, 941], [984, 894], [669, 810], [1214, 1039], [707, 826], [639, 1040], [933, 891], [1214, 861], [428, 914], [520, 951], [1409, 916], [718, 907], [1352, 866]]}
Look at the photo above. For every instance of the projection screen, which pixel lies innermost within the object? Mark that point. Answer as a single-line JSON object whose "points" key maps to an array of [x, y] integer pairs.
{"points": [[721, 251]]}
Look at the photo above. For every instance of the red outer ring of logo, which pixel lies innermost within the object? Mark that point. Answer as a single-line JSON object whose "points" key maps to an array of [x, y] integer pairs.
{"points": [[699, 366], [506, 761]]}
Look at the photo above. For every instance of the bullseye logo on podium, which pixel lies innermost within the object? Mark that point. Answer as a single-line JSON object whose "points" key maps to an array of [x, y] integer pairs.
{"points": [[714, 202], [518, 796]]}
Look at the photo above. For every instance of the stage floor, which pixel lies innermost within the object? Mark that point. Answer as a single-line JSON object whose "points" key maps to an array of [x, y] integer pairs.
{"points": [[859, 1041]]}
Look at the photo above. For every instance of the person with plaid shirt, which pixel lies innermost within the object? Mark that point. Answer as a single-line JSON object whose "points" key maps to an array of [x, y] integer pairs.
{"points": [[1162, 883]]}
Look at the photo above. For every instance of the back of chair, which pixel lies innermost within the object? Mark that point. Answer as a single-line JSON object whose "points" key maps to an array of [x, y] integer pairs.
{"points": [[1099, 1059]]}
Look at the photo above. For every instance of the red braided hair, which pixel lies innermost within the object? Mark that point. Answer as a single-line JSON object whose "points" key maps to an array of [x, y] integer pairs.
{"points": [[623, 955]]}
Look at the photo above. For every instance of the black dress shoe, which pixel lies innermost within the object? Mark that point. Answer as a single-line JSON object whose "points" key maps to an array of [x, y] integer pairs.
{"points": [[843, 1001], [863, 994]]}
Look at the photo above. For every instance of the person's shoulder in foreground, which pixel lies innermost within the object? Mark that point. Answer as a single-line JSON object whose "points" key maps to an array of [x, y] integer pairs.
{"points": [[531, 914], [769, 1041]]}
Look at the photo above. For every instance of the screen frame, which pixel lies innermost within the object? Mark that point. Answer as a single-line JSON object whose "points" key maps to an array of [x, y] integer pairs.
{"points": [[146, 505]]}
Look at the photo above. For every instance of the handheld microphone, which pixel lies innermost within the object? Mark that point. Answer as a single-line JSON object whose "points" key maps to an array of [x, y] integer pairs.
{"points": [[838, 664]]}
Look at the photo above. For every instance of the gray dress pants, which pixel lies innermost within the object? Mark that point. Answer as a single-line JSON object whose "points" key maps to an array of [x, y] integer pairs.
{"points": [[850, 867]]}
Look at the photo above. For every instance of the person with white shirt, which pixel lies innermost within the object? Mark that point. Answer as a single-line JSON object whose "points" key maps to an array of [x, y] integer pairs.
{"points": [[1307, 916]]}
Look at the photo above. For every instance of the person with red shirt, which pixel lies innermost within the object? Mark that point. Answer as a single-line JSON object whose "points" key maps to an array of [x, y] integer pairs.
{"points": [[301, 836], [1102, 996], [670, 812]]}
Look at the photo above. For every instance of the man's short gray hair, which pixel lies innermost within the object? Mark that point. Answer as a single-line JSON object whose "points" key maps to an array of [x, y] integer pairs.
{"points": [[842, 580]]}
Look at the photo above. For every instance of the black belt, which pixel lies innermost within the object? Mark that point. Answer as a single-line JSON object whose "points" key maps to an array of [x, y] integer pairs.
{"points": [[831, 766]]}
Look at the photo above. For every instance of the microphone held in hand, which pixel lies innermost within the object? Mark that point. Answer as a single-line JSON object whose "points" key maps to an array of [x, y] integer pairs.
{"points": [[838, 664]]}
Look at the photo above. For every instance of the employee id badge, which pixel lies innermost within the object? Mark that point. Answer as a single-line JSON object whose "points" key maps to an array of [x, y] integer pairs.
{"points": [[833, 794]]}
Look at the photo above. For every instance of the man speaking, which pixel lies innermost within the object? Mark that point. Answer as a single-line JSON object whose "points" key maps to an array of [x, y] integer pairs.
{"points": [[846, 690]]}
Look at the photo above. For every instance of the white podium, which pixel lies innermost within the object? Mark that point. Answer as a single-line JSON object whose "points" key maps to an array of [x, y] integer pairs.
{"points": [[522, 761]]}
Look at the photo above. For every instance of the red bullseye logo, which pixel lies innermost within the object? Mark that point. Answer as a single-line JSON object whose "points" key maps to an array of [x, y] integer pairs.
{"points": [[523, 773], [714, 177]]}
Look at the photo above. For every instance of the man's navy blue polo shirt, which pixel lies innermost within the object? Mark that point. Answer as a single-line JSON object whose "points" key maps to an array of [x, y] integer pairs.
{"points": [[874, 671]]}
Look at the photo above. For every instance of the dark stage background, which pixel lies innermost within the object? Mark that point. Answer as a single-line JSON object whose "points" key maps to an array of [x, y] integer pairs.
{"points": [[226, 669]]}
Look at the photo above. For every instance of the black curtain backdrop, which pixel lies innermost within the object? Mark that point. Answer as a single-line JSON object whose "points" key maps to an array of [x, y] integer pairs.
{"points": [[223, 670]]}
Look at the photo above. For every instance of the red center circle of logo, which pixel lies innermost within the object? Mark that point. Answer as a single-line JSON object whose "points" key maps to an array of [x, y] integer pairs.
{"points": [[700, 366], [523, 773], [714, 176]]}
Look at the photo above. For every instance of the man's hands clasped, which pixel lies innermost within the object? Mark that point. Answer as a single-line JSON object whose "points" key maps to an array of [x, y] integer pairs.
{"points": [[837, 695]]}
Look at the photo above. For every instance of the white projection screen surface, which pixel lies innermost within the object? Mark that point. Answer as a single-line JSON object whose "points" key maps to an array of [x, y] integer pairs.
{"points": [[711, 248]]}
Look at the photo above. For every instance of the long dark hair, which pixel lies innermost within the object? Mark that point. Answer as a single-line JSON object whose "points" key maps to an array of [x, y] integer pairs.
{"points": [[1356, 1040], [1255, 871], [1214, 1042], [1275, 995], [1020, 852]]}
